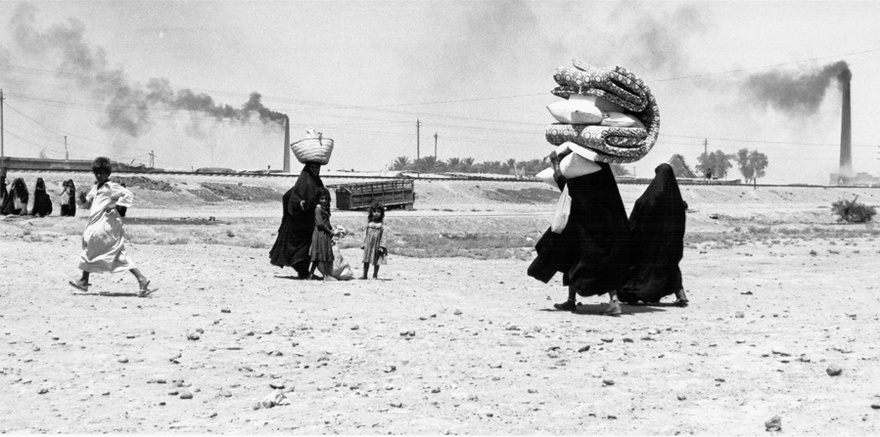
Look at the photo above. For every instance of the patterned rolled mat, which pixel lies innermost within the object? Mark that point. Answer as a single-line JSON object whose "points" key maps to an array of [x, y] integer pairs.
{"points": [[613, 144], [615, 84]]}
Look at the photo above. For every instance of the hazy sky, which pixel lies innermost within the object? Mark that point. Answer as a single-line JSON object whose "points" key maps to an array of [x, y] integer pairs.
{"points": [[113, 77]]}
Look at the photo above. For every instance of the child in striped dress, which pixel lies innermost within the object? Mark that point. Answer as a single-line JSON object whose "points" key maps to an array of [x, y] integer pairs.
{"points": [[374, 240]]}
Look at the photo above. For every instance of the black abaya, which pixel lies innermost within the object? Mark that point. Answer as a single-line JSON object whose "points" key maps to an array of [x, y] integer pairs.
{"points": [[291, 248], [592, 252], [657, 222], [42, 201]]}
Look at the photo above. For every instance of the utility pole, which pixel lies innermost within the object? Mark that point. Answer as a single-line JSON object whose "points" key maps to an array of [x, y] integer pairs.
{"points": [[153, 157], [435, 146], [66, 154], [418, 124], [708, 171], [1, 124]]}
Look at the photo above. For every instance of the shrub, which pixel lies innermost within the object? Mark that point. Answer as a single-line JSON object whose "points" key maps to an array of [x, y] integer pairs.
{"points": [[853, 212]]}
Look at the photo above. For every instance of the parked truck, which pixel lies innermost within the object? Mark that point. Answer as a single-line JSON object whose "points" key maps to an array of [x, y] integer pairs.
{"points": [[397, 193]]}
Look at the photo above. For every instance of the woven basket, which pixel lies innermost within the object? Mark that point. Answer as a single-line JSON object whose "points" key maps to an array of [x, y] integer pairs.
{"points": [[316, 150]]}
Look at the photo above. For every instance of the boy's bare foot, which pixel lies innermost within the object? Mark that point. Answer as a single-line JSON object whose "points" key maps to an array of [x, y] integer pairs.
{"points": [[79, 285], [146, 290]]}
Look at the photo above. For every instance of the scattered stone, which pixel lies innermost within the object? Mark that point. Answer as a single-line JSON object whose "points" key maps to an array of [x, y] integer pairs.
{"points": [[435, 390], [740, 341], [396, 404], [225, 310], [495, 366], [876, 405], [122, 359], [457, 312], [740, 315], [779, 352], [274, 399], [532, 391], [276, 385], [390, 368], [185, 394], [173, 393], [611, 417], [212, 415], [774, 424], [192, 336], [746, 293], [607, 382], [719, 380], [627, 340], [834, 370], [804, 359], [200, 330], [584, 349], [608, 340], [225, 393], [355, 328], [682, 397], [43, 391]]}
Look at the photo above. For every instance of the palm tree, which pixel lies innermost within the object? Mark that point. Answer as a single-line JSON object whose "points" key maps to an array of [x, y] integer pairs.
{"points": [[401, 163], [453, 164], [467, 165]]}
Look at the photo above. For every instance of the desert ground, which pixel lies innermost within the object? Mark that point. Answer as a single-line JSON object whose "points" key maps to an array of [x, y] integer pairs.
{"points": [[454, 338]]}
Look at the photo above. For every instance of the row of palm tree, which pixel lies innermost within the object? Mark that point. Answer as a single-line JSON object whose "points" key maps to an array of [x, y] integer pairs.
{"points": [[430, 164]]}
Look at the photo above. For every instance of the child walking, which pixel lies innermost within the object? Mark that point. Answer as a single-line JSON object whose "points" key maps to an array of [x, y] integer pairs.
{"points": [[374, 240], [104, 239], [321, 250]]}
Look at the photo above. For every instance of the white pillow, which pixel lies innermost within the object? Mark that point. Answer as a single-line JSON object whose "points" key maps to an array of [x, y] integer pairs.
{"points": [[575, 112], [571, 166], [598, 102], [619, 119]]}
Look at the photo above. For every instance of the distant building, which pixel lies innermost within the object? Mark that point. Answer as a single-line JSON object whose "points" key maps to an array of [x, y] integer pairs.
{"points": [[860, 179]]}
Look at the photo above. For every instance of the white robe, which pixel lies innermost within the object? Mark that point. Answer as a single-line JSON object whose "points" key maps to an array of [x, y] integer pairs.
{"points": [[103, 240]]}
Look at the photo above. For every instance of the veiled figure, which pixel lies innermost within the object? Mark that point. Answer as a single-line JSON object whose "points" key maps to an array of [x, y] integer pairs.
{"points": [[657, 223], [291, 248]]}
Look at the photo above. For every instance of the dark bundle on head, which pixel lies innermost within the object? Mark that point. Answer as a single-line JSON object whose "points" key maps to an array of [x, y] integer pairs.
{"points": [[377, 213], [70, 184], [41, 186], [101, 164]]}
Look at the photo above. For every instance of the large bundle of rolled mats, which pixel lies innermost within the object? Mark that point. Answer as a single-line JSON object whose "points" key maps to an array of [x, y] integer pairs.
{"points": [[607, 110]]}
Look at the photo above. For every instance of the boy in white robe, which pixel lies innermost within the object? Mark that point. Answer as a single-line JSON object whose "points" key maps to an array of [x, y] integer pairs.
{"points": [[104, 239]]}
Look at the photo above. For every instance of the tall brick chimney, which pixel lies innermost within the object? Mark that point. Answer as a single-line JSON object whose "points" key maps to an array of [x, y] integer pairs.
{"points": [[287, 143], [845, 125]]}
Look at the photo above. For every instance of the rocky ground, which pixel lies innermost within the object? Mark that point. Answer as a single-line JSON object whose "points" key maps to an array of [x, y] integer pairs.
{"points": [[782, 299]]}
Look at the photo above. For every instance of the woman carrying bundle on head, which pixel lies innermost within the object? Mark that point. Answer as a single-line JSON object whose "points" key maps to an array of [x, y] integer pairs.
{"points": [[657, 222]]}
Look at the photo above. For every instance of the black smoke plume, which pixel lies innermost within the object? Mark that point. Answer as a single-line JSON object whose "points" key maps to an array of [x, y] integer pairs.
{"points": [[794, 93], [129, 105]]}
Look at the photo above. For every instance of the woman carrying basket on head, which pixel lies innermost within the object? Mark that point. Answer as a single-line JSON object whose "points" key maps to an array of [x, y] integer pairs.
{"points": [[291, 248]]}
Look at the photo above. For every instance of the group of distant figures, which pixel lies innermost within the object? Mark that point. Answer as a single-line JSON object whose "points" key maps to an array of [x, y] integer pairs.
{"points": [[14, 198]]}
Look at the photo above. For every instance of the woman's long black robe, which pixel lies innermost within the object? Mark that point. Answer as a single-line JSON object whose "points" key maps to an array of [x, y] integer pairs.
{"points": [[291, 248], [42, 201], [592, 252], [657, 222]]}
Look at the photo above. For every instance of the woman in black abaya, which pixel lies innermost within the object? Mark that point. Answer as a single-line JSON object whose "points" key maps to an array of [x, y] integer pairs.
{"points": [[16, 200], [657, 222], [592, 251], [291, 247], [42, 201]]}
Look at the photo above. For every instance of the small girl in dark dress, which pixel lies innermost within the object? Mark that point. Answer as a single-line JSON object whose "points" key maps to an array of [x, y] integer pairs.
{"points": [[321, 250], [42, 201], [374, 240]]}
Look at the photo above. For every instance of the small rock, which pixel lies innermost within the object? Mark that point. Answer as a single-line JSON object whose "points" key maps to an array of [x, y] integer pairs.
{"points": [[532, 391], [607, 382], [173, 393], [774, 424], [43, 391], [682, 397], [608, 340], [192, 336], [122, 359], [457, 312], [876, 405], [834, 370], [739, 315], [225, 393], [584, 348], [200, 330], [390, 368], [355, 328], [435, 390], [185, 394], [495, 366], [225, 310], [627, 340], [396, 404], [411, 333]]}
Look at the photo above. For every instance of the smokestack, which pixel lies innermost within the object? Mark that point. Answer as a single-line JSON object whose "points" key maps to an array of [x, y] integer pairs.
{"points": [[286, 144], [845, 125]]}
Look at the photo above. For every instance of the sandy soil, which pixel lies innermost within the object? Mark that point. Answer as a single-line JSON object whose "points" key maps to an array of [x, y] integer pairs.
{"points": [[446, 345]]}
